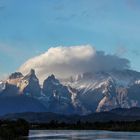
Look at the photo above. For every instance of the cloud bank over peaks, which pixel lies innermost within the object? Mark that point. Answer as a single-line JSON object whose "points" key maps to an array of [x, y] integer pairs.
{"points": [[67, 61]]}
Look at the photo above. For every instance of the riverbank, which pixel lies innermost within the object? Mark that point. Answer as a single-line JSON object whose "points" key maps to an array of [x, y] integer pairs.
{"points": [[16, 129], [133, 126]]}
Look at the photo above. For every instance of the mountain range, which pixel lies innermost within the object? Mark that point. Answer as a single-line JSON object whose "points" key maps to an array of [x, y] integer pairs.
{"points": [[82, 94]]}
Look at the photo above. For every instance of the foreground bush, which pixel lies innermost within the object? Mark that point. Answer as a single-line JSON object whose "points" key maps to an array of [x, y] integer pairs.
{"points": [[12, 130]]}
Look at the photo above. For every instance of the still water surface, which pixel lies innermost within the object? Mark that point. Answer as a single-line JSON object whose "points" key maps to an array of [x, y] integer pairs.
{"points": [[82, 135]]}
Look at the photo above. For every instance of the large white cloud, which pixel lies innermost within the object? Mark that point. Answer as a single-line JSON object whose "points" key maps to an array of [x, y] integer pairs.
{"points": [[67, 61]]}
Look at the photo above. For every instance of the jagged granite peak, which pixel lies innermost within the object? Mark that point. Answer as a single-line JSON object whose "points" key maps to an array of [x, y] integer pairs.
{"points": [[15, 75], [32, 71], [31, 76], [59, 97], [9, 87], [30, 84], [52, 79], [52, 84], [14, 78]]}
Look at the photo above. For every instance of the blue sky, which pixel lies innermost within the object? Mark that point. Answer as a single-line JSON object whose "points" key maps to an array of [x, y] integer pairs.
{"points": [[30, 27]]}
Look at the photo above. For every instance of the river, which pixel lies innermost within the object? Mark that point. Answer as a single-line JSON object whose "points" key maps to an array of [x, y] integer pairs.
{"points": [[82, 135]]}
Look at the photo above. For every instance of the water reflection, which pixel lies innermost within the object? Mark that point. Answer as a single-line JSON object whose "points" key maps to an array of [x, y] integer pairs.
{"points": [[82, 135]]}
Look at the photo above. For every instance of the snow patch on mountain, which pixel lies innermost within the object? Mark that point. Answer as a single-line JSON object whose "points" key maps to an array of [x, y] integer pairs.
{"points": [[2, 86]]}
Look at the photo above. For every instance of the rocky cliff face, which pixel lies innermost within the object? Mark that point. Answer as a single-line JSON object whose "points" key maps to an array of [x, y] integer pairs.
{"points": [[104, 91], [58, 95], [29, 85], [82, 94]]}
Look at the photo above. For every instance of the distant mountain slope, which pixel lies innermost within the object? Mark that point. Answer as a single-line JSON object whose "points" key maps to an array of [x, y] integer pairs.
{"points": [[135, 111], [114, 115], [18, 104]]}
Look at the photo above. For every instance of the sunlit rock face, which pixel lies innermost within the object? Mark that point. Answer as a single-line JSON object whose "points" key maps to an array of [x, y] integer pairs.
{"points": [[15, 78], [9, 87], [29, 85]]}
